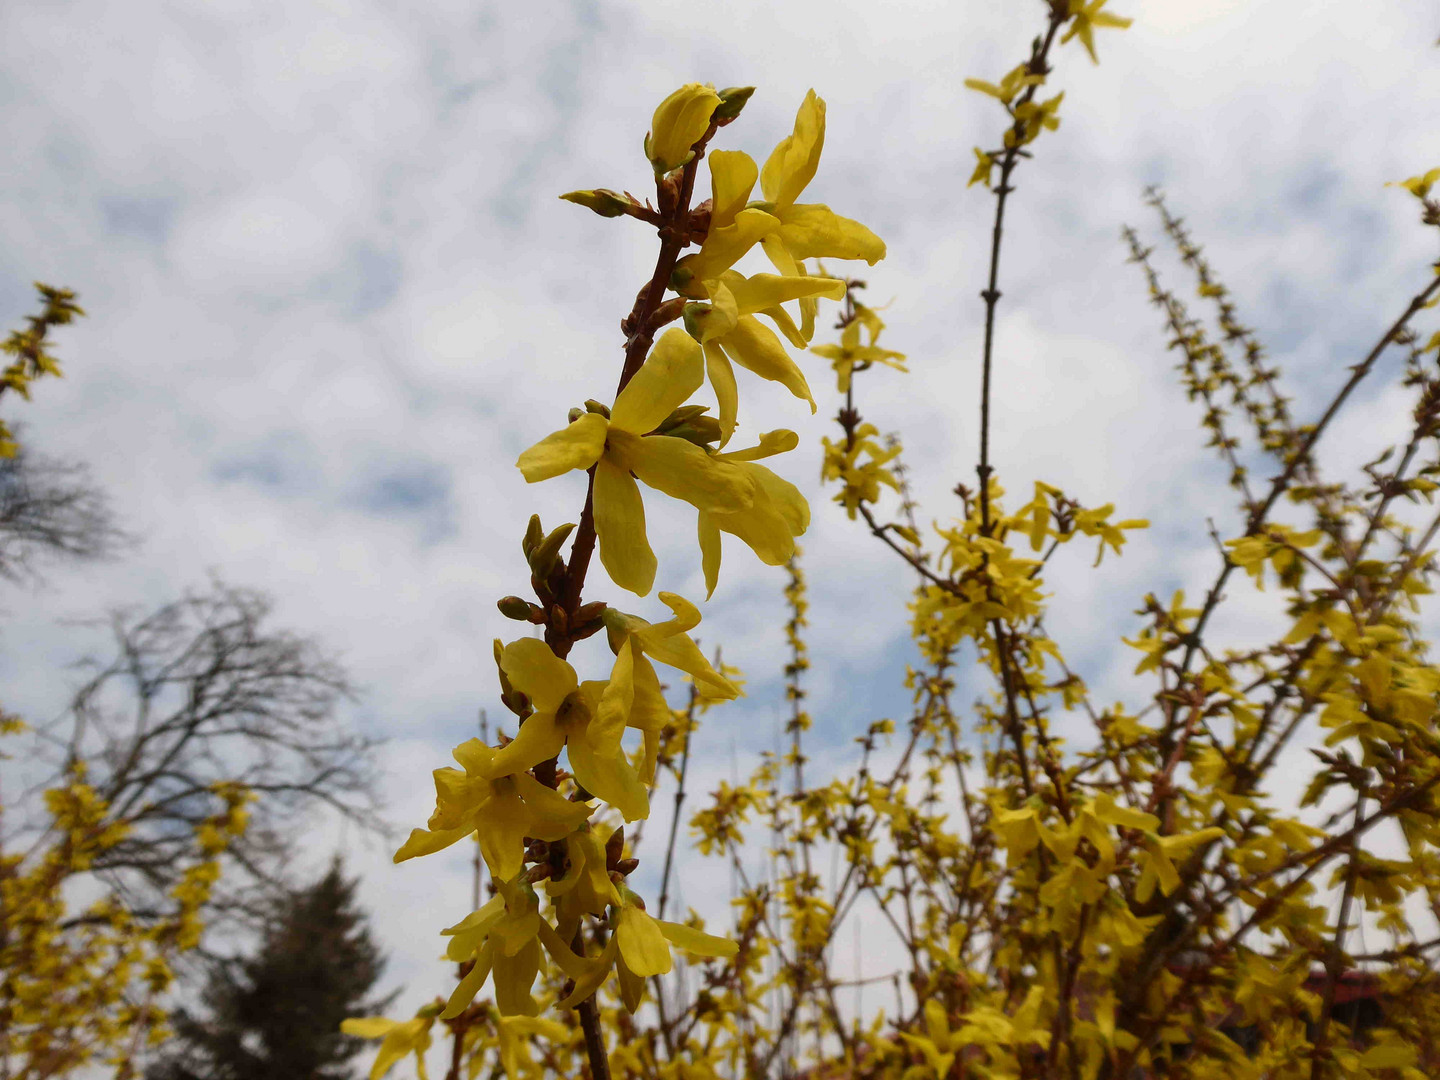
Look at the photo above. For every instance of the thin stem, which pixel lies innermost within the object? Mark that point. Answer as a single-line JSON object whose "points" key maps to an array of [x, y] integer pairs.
{"points": [[1301, 455], [1336, 957], [991, 294]]}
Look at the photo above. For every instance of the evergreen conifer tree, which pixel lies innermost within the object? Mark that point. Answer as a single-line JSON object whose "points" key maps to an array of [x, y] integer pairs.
{"points": [[277, 1013]]}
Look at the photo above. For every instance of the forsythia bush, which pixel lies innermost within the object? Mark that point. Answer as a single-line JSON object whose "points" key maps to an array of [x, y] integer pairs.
{"points": [[85, 987], [1130, 903]]}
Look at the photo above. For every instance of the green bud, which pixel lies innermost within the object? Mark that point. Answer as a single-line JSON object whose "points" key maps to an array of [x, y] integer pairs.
{"points": [[595, 407], [591, 612], [615, 846], [697, 318], [513, 607], [732, 100], [534, 533], [699, 430], [604, 202], [575, 414], [680, 416], [542, 559], [680, 277]]}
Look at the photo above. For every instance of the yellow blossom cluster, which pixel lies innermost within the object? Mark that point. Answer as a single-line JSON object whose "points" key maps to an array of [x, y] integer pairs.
{"points": [[556, 857], [1074, 889], [84, 988]]}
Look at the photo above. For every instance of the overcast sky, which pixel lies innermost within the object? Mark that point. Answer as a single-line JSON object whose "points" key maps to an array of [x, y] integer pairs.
{"points": [[332, 295]]}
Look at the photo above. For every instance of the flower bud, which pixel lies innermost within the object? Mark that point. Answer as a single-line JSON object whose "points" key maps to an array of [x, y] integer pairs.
{"points": [[679, 123], [534, 533], [700, 430], [732, 100], [698, 319], [604, 202], [615, 846], [590, 612], [542, 558], [681, 277], [680, 416], [513, 607]]}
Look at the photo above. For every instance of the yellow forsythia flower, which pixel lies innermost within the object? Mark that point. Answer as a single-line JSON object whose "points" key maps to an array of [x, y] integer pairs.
{"points": [[679, 123], [503, 810], [400, 1037], [620, 450]]}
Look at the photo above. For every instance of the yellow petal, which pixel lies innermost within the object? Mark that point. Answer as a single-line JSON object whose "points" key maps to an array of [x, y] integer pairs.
{"points": [[615, 701], [787, 326], [1159, 863], [785, 499], [575, 447], [649, 758], [937, 1023], [539, 739], [642, 945], [609, 776], [761, 291], [514, 976], [706, 322], [368, 1027], [456, 795], [725, 246], [594, 978], [503, 825], [577, 967], [788, 266], [538, 673], [632, 988], [779, 441], [697, 942], [755, 347], [676, 649], [679, 123], [1106, 810], [732, 178], [552, 816], [709, 552], [769, 526], [763, 528], [671, 373], [814, 231], [470, 985], [620, 524], [793, 162], [685, 615], [648, 712], [392, 1050], [424, 842], [470, 933], [722, 381], [684, 471], [474, 755]]}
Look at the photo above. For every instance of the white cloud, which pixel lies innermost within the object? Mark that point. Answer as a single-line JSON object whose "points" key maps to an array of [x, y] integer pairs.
{"points": [[239, 384]]}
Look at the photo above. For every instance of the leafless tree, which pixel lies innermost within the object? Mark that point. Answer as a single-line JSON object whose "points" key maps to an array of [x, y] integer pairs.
{"points": [[203, 691], [52, 509]]}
